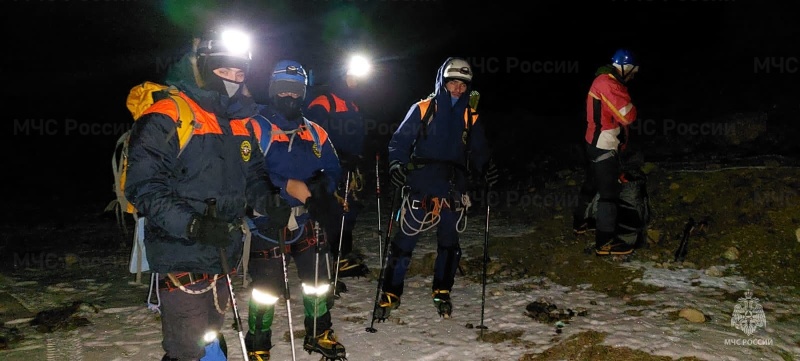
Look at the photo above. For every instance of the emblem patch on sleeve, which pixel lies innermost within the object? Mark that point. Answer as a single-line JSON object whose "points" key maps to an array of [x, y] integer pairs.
{"points": [[246, 149], [316, 150]]}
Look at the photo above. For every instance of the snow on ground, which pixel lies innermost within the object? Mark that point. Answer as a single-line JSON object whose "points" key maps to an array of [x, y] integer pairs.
{"points": [[416, 332]]}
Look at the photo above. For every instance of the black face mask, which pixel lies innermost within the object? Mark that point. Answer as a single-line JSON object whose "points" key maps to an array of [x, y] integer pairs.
{"points": [[289, 107]]}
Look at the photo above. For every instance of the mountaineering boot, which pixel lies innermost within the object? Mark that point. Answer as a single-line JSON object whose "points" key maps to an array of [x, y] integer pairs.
{"points": [[388, 302], [258, 345], [325, 344], [613, 247], [352, 265], [581, 226], [441, 299], [258, 355], [340, 288], [258, 340]]}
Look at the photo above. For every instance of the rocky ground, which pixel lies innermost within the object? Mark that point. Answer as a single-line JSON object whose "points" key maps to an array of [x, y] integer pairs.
{"points": [[749, 200], [739, 183]]}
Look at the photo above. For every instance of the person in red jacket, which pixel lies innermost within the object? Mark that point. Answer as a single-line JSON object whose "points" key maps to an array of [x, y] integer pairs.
{"points": [[609, 112]]}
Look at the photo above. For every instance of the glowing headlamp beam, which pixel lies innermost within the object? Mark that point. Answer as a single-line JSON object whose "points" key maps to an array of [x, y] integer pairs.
{"points": [[236, 41], [359, 66]]}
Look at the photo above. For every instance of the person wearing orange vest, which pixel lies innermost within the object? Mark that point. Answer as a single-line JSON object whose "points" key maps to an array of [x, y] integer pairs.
{"points": [[609, 112], [303, 164], [336, 110], [173, 189], [431, 155]]}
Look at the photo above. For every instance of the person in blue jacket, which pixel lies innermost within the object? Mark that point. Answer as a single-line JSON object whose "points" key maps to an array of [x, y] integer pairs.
{"points": [[173, 190], [336, 110], [302, 163], [431, 155]]}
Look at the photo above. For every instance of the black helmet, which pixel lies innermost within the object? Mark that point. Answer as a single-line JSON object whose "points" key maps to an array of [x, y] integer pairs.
{"points": [[227, 48]]}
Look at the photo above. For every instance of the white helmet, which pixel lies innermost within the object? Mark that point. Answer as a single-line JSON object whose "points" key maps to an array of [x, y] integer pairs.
{"points": [[458, 69]]}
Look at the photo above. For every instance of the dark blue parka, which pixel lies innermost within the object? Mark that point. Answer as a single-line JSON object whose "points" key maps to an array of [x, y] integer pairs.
{"points": [[443, 145], [342, 120], [220, 161], [293, 154]]}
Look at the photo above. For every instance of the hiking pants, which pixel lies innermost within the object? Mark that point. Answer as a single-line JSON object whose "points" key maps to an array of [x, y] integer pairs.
{"points": [[448, 252], [186, 317], [354, 209], [267, 276], [602, 177]]}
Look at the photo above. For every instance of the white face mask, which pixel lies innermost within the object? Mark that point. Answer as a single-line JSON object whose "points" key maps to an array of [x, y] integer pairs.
{"points": [[231, 87]]}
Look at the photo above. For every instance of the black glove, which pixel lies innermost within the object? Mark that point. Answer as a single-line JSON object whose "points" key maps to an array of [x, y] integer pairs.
{"points": [[492, 174], [317, 184], [325, 210], [276, 219], [210, 231], [398, 173], [322, 206], [279, 213]]}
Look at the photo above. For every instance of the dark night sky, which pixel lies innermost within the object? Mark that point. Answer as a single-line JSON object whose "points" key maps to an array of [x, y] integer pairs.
{"points": [[71, 63]]}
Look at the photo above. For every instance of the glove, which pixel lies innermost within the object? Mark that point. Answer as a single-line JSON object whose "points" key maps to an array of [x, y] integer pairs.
{"points": [[322, 206], [318, 184], [209, 231], [279, 214], [276, 219], [325, 210], [492, 174], [398, 173]]}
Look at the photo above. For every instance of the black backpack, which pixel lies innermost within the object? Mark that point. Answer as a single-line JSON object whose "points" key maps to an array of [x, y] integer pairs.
{"points": [[633, 211]]}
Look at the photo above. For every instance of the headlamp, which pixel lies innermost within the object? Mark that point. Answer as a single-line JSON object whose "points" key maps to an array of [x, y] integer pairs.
{"points": [[291, 70], [359, 66], [236, 41], [230, 42]]}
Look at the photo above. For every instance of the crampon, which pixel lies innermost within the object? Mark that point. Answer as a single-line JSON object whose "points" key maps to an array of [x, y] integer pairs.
{"points": [[441, 299], [388, 302], [326, 345]]}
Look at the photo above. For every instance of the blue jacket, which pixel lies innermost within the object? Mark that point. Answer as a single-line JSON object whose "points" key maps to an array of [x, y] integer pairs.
{"points": [[220, 161], [342, 120], [293, 154], [443, 146]]}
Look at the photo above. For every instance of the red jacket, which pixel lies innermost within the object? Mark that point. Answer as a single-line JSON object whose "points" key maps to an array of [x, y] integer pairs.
{"points": [[608, 106]]}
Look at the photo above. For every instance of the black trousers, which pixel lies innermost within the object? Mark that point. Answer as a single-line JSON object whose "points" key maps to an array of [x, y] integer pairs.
{"points": [[268, 277], [602, 178], [186, 317]]}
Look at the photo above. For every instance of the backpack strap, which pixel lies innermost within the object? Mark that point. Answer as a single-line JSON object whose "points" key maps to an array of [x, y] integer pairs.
{"points": [[186, 119], [467, 134], [311, 128], [306, 123], [268, 134], [331, 102], [426, 118]]}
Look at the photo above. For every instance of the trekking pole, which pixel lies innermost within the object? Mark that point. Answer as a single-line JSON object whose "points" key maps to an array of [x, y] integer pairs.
{"points": [[286, 295], [689, 229], [485, 261], [378, 196], [385, 263], [316, 276], [341, 230], [212, 211]]}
